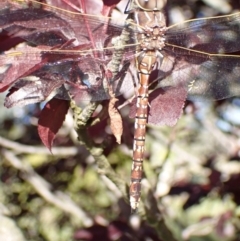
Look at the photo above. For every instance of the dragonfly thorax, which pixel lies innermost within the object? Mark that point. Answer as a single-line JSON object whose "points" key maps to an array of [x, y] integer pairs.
{"points": [[151, 30], [150, 5], [152, 38]]}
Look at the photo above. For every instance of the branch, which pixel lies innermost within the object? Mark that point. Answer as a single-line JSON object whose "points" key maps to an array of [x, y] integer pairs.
{"points": [[104, 168], [20, 148]]}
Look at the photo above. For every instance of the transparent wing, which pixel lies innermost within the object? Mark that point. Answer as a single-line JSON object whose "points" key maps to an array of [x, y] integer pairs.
{"points": [[211, 35], [209, 76]]}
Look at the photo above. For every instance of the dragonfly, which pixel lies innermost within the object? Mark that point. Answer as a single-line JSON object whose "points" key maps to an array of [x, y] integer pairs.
{"points": [[71, 52]]}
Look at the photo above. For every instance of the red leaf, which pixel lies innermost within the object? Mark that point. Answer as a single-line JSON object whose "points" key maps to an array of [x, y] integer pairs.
{"points": [[165, 105], [51, 119], [91, 6], [17, 63], [110, 2]]}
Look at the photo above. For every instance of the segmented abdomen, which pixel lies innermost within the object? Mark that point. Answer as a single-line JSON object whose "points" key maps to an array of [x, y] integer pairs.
{"points": [[144, 66]]}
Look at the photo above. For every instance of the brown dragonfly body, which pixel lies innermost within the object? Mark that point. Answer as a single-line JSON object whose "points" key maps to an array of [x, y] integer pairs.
{"points": [[151, 41]]}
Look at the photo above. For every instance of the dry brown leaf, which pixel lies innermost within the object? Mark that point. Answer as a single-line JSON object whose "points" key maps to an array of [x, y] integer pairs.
{"points": [[116, 124]]}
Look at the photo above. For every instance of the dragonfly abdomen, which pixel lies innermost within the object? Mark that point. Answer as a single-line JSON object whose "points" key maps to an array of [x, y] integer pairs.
{"points": [[145, 64]]}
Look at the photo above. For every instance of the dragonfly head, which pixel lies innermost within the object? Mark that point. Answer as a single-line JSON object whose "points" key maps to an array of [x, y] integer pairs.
{"points": [[151, 5]]}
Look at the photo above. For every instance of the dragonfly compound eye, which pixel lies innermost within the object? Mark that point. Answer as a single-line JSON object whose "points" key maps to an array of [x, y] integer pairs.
{"points": [[151, 5]]}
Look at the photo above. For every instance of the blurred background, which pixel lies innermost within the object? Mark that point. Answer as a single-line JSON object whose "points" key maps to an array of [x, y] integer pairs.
{"points": [[191, 187]]}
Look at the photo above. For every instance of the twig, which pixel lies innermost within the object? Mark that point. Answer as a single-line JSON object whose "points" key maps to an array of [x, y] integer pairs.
{"points": [[20, 148]]}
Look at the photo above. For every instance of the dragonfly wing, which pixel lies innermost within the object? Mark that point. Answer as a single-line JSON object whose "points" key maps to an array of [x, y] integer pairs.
{"points": [[203, 75], [210, 35], [83, 76], [218, 78], [52, 26]]}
